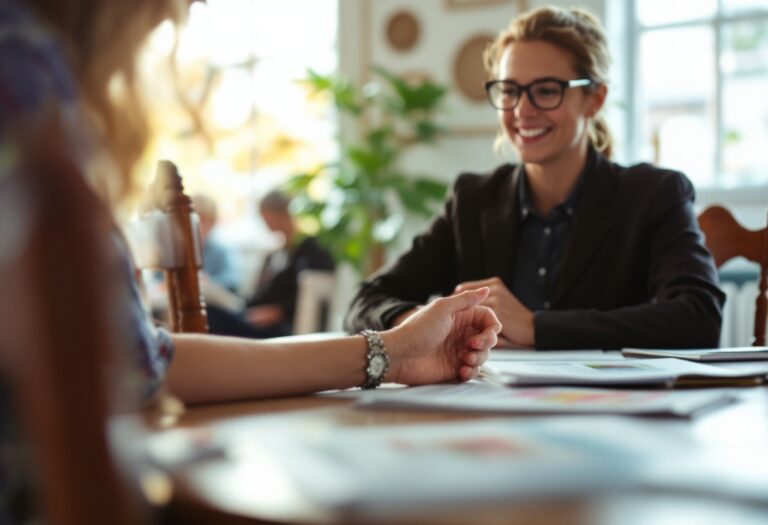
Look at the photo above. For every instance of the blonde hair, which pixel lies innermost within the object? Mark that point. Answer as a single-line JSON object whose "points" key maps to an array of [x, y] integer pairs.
{"points": [[102, 39], [574, 30]]}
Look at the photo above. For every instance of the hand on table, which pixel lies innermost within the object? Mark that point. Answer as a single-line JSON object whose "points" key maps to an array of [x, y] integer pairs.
{"points": [[446, 340], [516, 320]]}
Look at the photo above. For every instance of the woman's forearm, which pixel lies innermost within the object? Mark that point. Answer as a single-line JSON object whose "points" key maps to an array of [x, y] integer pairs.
{"points": [[445, 341], [209, 368]]}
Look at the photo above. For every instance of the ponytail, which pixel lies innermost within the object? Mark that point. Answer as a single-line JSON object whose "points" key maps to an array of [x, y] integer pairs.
{"points": [[600, 136]]}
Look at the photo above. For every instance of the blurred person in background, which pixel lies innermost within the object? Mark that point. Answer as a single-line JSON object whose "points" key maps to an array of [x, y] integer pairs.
{"points": [[218, 263], [272, 307]]}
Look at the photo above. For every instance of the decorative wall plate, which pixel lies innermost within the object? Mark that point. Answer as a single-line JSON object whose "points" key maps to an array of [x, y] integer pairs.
{"points": [[403, 30], [468, 72], [440, 39], [471, 3]]}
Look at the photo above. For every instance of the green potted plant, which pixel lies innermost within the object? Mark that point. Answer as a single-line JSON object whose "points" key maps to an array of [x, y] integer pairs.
{"points": [[356, 205]]}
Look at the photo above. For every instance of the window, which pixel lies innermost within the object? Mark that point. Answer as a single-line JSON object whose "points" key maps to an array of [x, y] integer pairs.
{"points": [[231, 109], [699, 95]]}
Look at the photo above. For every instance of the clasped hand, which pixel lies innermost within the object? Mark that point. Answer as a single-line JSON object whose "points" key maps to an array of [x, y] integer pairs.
{"points": [[516, 320]]}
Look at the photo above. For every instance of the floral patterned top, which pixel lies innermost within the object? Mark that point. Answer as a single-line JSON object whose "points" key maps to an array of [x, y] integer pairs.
{"points": [[36, 81]]}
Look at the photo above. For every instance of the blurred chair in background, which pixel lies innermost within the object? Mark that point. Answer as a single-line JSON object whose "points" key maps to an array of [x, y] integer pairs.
{"points": [[726, 239], [315, 301], [167, 237]]}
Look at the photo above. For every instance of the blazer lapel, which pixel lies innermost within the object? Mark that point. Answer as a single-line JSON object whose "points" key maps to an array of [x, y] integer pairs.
{"points": [[500, 228], [591, 224]]}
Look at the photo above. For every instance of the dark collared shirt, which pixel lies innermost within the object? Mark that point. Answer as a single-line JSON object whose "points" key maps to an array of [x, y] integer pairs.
{"points": [[541, 243]]}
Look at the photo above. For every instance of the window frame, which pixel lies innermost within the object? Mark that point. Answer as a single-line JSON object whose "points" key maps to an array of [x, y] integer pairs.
{"points": [[633, 32]]}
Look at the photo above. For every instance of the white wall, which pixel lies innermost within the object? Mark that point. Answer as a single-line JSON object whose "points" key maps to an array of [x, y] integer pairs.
{"points": [[362, 43]]}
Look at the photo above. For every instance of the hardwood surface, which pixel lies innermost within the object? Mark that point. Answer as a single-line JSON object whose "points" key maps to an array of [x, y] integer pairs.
{"points": [[229, 491]]}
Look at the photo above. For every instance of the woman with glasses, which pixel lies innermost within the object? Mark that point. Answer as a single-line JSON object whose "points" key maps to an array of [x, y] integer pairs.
{"points": [[579, 252]]}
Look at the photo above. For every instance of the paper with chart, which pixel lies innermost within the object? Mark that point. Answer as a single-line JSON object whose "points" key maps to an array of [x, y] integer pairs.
{"points": [[483, 397]]}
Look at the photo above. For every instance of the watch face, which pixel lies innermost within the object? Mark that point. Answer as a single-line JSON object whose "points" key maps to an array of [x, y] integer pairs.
{"points": [[376, 365]]}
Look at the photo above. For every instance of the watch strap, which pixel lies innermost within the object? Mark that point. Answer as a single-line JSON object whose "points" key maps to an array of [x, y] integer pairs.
{"points": [[377, 359]]}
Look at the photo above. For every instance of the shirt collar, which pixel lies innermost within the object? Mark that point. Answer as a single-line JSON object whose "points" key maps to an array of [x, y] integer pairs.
{"points": [[565, 208]]}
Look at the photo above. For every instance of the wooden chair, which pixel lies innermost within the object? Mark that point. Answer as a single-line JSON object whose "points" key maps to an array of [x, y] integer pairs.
{"points": [[55, 339], [726, 239], [167, 237], [314, 301]]}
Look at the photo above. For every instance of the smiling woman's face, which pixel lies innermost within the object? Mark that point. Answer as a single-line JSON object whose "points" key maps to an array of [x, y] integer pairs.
{"points": [[544, 136]]}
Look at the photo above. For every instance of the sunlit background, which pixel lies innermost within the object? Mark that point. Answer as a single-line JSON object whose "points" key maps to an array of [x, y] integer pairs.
{"points": [[702, 82], [689, 91], [227, 105]]}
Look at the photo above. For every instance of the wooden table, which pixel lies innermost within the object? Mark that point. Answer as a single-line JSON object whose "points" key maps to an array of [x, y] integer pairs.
{"points": [[226, 492]]}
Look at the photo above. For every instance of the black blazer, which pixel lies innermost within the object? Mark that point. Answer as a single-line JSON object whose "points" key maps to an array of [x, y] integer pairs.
{"points": [[635, 271]]}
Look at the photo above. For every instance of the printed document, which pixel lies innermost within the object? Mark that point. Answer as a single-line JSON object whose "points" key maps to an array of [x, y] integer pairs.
{"points": [[483, 397], [664, 372]]}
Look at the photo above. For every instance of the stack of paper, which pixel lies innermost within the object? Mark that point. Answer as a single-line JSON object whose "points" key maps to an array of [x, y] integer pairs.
{"points": [[391, 468], [745, 353], [617, 372], [477, 396]]}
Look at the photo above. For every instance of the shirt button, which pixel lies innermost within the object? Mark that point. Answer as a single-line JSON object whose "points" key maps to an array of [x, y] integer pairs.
{"points": [[569, 211], [547, 231], [542, 271], [546, 305]]}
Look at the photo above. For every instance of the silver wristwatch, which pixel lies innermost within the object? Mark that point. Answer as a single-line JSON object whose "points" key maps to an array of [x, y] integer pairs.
{"points": [[377, 359]]}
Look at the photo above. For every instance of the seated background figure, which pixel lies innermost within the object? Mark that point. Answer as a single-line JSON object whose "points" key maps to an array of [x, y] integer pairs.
{"points": [[272, 307], [271, 310], [217, 259]]}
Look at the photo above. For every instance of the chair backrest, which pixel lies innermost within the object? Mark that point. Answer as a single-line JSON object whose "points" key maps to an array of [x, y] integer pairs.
{"points": [[314, 301], [167, 237], [55, 340], [726, 239]]}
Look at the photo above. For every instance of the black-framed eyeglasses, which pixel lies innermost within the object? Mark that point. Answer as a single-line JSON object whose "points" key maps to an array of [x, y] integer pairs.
{"points": [[544, 93]]}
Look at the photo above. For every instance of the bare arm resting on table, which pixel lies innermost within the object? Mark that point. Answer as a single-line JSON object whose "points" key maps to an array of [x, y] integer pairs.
{"points": [[447, 340]]}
